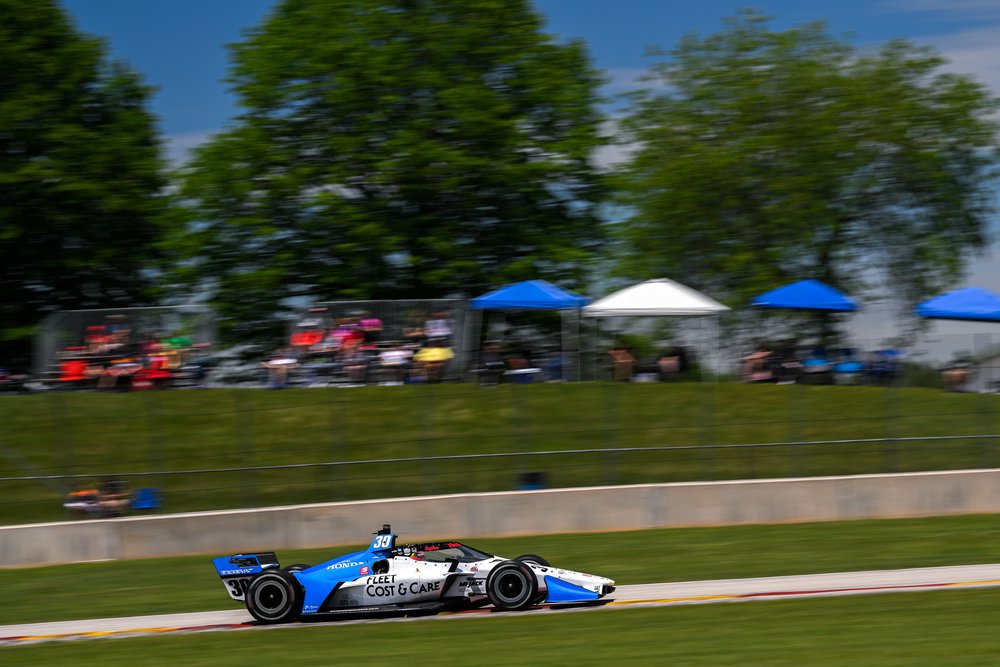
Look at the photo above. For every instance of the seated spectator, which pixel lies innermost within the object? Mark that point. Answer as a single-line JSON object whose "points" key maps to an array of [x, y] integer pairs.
{"points": [[354, 361], [118, 374], [76, 371], [623, 362], [755, 365], [156, 372], [491, 364], [97, 339], [278, 367], [394, 362], [308, 333], [346, 333], [432, 360], [670, 363], [439, 328], [371, 328], [83, 499], [956, 375], [414, 332], [115, 497]]}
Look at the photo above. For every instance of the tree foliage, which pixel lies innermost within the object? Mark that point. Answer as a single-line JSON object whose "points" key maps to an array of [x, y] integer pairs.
{"points": [[393, 149], [80, 173], [771, 156]]}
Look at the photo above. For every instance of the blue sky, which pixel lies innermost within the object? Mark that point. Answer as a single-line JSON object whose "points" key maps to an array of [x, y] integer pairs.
{"points": [[178, 45]]}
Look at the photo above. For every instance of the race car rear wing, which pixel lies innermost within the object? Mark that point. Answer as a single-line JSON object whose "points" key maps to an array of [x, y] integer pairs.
{"points": [[237, 570]]}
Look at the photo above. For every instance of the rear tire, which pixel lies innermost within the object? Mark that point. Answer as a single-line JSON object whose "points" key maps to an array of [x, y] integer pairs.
{"points": [[274, 596], [298, 567], [511, 586]]}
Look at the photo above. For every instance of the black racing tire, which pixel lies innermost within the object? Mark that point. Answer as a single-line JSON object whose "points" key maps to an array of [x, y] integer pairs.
{"points": [[533, 558], [298, 567], [274, 596], [511, 586]]}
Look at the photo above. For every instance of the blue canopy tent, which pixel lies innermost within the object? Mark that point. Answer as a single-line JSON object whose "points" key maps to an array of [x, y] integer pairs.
{"points": [[807, 295], [531, 295], [970, 304], [815, 296]]}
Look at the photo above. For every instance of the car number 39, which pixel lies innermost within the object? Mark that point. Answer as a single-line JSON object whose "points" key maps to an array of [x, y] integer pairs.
{"points": [[239, 586]]}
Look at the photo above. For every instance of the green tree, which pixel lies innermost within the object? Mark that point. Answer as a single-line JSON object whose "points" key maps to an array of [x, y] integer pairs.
{"points": [[393, 149], [80, 173], [770, 156]]}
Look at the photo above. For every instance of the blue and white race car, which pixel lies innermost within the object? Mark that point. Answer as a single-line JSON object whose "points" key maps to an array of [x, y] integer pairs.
{"points": [[385, 578]]}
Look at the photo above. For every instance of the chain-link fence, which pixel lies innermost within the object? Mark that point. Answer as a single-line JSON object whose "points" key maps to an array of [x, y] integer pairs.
{"points": [[220, 448]]}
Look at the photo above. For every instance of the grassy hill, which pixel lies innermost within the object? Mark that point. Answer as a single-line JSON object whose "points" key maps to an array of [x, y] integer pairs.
{"points": [[61, 433]]}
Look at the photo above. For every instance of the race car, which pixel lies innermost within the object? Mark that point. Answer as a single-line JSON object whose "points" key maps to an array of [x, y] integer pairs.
{"points": [[391, 579]]}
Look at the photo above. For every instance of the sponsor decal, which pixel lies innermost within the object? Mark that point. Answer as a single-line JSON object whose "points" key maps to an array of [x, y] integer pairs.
{"points": [[344, 564], [452, 545], [242, 570], [382, 586], [365, 570]]}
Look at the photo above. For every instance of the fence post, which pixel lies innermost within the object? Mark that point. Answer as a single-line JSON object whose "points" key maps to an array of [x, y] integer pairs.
{"points": [[62, 431]]}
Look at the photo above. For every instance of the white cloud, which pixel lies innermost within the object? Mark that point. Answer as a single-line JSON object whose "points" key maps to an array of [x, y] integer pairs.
{"points": [[975, 52], [959, 9], [179, 146]]}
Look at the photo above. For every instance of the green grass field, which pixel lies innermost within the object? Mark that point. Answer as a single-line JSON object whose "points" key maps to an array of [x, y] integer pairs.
{"points": [[936, 629], [92, 433], [124, 588]]}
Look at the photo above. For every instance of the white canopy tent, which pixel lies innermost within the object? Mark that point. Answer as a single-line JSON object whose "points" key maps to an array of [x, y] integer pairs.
{"points": [[661, 297], [657, 298]]}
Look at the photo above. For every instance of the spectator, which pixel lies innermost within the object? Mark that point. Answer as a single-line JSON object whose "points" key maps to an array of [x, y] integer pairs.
{"points": [[414, 332], [432, 359], [115, 497], [278, 367], [623, 361], [354, 361], [439, 328], [394, 362], [755, 366], [957, 375], [371, 328], [491, 364]]}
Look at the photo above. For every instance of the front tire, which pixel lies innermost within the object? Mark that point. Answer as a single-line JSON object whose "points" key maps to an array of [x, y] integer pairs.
{"points": [[533, 558], [511, 586], [274, 596]]}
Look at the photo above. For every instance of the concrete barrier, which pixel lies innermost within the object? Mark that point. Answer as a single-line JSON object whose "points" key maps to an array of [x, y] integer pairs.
{"points": [[507, 513]]}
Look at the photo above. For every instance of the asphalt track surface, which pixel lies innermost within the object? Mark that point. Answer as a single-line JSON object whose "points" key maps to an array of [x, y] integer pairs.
{"points": [[644, 595]]}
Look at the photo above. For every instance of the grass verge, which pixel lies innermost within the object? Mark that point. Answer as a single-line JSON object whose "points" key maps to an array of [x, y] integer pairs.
{"points": [[940, 628]]}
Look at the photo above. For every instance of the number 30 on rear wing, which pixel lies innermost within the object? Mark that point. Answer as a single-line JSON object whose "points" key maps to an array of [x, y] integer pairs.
{"points": [[236, 571]]}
